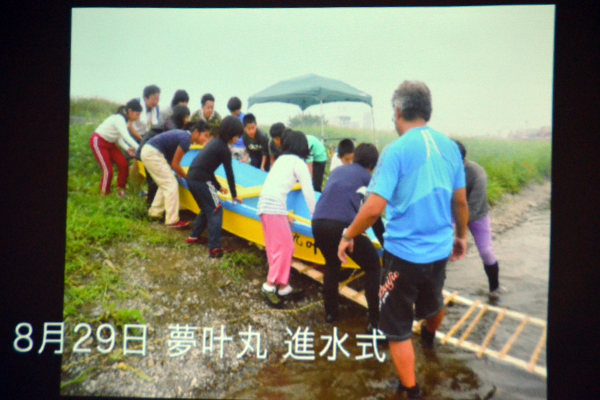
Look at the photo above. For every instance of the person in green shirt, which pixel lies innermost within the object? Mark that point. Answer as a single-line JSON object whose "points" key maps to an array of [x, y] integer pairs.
{"points": [[316, 161]]}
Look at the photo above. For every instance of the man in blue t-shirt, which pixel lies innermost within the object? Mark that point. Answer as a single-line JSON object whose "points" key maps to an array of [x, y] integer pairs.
{"points": [[420, 182]]}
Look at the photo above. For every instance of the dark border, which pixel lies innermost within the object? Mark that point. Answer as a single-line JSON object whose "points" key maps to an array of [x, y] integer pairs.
{"points": [[36, 60]]}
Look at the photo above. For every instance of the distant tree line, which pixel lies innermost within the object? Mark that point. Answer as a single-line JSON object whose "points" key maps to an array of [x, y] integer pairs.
{"points": [[306, 120]]}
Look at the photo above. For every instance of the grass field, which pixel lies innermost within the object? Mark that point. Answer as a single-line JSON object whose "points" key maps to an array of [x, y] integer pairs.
{"points": [[510, 164]]}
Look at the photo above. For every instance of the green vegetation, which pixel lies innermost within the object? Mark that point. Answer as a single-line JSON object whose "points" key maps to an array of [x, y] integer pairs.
{"points": [[239, 263], [306, 120], [333, 135], [510, 164], [92, 109], [96, 223]]}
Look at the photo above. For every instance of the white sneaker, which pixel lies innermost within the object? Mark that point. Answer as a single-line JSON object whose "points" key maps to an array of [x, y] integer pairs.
{"points": [[495, 294], [285, 291], [268, 288]]}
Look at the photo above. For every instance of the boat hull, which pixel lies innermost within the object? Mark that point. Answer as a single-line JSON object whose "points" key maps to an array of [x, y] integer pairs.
{"points": [[242, 219]]}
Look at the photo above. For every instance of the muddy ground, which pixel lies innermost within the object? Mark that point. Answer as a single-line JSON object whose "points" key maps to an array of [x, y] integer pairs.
{"points": [[183, 286]]}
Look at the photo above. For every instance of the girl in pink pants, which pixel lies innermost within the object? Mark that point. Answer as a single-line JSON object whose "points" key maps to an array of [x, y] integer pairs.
{"points": [[289, 168]]}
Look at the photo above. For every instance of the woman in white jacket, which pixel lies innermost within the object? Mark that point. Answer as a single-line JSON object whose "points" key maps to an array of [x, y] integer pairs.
{"points": [[112, 131]]}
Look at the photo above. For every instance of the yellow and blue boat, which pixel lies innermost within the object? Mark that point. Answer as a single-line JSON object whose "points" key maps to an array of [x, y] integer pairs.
{"points": [[242, 219]]}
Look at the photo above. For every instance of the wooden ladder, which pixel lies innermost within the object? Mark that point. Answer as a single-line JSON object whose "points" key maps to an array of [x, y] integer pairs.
{"points": [[502, 314]]}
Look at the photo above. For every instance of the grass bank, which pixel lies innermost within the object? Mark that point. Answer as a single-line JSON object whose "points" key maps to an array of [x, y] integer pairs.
{"points": [[510, 164], [95, 224]]}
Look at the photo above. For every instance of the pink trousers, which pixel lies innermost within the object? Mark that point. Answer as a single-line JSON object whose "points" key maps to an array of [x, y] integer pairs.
{"points": [[280, 247]]}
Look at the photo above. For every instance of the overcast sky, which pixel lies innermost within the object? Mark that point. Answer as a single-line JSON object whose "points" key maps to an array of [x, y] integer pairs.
{"points": [[489, 68]]}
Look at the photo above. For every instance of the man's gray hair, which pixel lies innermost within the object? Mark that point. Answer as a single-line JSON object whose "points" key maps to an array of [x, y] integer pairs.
{"points": [[413, 98]]}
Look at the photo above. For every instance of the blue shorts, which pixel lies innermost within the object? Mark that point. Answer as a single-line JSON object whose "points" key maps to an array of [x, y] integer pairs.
{"points": [[408, 290]]}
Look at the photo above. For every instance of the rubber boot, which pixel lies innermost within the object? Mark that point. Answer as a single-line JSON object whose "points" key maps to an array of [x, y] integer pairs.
{"points": [[492, 273], [413, 393], [427, 337]]}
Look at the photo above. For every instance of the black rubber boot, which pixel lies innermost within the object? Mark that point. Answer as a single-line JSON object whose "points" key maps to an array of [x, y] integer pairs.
{"points": [[426, 337], [492, 273], [413, 393]]}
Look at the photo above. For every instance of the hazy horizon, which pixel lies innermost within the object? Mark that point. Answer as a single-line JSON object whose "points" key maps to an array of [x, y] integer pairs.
{"points": [[489, 68]]}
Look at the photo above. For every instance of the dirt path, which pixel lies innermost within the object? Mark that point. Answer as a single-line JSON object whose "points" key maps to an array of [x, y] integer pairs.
{"points": [[185, 287]]}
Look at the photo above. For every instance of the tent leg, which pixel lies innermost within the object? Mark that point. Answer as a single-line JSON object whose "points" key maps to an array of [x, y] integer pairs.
{"points": [[374, 134], [322, 125]]}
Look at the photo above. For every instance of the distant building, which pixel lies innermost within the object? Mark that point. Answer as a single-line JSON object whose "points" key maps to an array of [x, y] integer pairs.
{"points": [[344, 121], [539, 133]]}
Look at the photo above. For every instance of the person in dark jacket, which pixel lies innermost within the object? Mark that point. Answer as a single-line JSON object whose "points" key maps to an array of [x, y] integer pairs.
{"points": [[204, 185], [257, 144], [275, 149]]}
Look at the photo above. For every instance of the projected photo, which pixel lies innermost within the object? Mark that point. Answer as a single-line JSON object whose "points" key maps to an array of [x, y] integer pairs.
{"points": [[258, 197]]}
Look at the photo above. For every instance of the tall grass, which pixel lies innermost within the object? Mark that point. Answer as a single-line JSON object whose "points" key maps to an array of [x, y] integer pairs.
{"points": [[94, 223], [510, 164], [91, 109]]}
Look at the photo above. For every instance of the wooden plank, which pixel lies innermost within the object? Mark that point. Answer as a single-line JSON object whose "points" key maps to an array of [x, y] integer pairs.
{"points": [[461, 321], [513, 338], [491, 332], [309, 271], [538, 370], [449, 297], [352, 278], [512, 314], [536, 352], [472, 325], [358, 297]]}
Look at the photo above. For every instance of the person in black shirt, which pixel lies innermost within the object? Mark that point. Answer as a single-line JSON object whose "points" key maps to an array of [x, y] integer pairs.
{"points": [[204, 185], [338, 205], [275, 149], [257, 144]]}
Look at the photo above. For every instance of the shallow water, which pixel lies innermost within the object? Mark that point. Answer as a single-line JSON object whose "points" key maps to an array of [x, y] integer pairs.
{"points": [[452, 373]]}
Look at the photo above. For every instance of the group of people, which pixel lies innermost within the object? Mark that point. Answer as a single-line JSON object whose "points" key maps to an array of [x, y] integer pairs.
{"points": [[429, 191]]}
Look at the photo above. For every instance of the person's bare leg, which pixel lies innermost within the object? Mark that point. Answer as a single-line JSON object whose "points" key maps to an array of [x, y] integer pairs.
{"points": [[403, 355]]}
